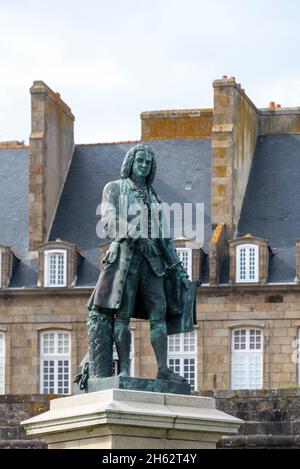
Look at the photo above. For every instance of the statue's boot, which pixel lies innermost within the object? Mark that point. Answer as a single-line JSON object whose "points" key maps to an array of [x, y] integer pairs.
{"points": [[122, 338], [159, 341], [100, 332]]}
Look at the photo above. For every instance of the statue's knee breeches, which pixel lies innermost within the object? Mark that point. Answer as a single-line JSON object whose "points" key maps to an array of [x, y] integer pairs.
{"points": [[158, 326], [100, 333], [157, 313]]}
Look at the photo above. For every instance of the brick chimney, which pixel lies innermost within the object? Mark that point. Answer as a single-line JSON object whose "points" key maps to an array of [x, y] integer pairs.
{"points": [[185, 123], [51, 149], [234, 135]]}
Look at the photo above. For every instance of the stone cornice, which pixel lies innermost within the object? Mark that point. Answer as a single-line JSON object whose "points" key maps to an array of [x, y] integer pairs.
{"points": [[218, 290]]}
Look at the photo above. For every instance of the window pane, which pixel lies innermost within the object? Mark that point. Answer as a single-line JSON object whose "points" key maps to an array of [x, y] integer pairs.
{"points": [[255, 372], [48, 376], [242, 263], [116, 367], [255, 339], [185, 367], [174, 365], [189, 371], [247, 263], [48, 343], [189, 341], [174, 343], [56, 269], [181, 343], [240, 340], [247, 359], [55, 362], [63, 377], [239, 372], [185, 258], [252, 263], [63, 343]]}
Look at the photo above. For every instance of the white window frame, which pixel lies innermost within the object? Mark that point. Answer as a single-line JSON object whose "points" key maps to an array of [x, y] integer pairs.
{"points": [[55, 356], [181, 354], [131, 357], [188, 251], [47, 265], [2, 358], [298, 355], [247, 248], [246, 354]]}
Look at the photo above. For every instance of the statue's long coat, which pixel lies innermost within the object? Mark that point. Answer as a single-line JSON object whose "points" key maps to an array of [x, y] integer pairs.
{"points": [[109, 288]]}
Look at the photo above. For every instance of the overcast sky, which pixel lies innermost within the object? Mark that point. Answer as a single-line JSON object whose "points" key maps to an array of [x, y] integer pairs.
{"points": [[112, 59]]}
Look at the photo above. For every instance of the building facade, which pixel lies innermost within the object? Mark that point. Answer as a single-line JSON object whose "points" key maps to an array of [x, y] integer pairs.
{"points": [[240, 162]]}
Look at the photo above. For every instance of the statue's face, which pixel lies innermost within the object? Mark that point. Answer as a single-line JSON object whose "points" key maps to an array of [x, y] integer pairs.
{"points": [[142, 164]]}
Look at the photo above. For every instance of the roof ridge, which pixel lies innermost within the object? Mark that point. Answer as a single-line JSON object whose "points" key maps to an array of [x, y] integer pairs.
{"points": [[13, 147], [106, 143]]}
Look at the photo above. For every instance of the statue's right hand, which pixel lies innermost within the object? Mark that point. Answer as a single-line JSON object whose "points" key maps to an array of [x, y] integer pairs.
{"points": [[112, 253]]}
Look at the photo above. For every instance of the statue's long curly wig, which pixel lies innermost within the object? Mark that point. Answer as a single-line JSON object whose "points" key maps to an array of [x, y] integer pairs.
{"points": [[129, 159]]}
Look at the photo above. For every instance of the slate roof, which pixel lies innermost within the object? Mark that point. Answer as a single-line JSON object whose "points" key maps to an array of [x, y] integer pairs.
{"points": [[14, 184], [14, 181], [271, 207], [179, 162]]}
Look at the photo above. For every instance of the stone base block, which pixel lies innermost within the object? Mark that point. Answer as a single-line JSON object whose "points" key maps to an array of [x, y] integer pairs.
{"points": [[122, 419]]}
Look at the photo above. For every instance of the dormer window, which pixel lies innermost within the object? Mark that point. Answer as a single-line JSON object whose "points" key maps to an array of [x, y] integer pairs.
{"points": [[58, 264], [55, 268], [249, 259], [247, 263], [185, 256]]}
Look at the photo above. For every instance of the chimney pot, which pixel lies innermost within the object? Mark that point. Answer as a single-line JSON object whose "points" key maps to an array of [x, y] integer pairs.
{"points": [[232, 78], [224, 77], [278, 106], [271, 105]]}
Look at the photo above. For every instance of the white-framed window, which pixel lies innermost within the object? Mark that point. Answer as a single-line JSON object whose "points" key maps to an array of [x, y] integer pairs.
{"points": [[182, 356], [247, 359], [116, 366], [2, 363], [247, 262], [55, 362], [55, 268], [185, 256]]}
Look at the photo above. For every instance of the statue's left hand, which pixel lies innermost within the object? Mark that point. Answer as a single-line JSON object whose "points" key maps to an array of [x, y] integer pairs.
{"points": [[185, 281]]}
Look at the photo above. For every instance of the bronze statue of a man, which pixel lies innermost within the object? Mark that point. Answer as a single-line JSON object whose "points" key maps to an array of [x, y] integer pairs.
{"points": [[142, 273]]}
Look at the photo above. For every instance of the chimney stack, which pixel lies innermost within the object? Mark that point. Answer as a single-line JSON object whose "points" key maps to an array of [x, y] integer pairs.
{"points": [[51, 149]]}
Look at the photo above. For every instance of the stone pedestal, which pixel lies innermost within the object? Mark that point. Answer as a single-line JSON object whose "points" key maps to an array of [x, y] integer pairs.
{"points": [[123, 419]]}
